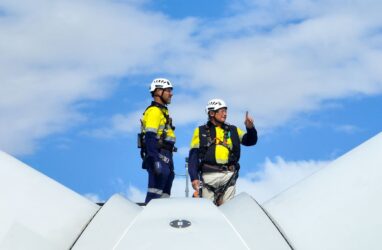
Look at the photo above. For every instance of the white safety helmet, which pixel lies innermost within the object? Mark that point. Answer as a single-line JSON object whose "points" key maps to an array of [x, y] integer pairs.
{"points": [[215, 104], [160, 83]]}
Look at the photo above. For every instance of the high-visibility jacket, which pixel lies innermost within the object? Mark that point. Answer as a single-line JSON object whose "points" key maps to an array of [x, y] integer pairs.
{"points": [[157, 129], [219, 152]]}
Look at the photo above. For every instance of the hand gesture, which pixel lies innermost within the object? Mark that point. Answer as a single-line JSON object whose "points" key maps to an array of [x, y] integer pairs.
{"points": [[248, 121]]}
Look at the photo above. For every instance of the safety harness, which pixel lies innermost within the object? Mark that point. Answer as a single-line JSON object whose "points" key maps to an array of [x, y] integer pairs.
{"points": [[220, 191], [207, 158], [162, 144]]}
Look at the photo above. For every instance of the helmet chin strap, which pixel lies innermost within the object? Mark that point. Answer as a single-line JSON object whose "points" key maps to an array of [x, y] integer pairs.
{"points": [[161, 97]]}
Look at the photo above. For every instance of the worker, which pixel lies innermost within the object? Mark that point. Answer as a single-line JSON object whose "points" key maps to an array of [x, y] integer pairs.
{"points": [[215, 153], [157, 141]]}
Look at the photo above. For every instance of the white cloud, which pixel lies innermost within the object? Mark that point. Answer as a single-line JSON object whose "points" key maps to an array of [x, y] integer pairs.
{"points": [[271, 179], [348, 128], [292, 69], [278, 59], [274, 58], [55, 54], [119, 124], [128, 190], [275, 177], [183, 152], [134, 194], [93, 197]]}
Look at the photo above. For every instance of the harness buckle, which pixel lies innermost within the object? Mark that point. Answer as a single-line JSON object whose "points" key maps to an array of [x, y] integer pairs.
{"points": [[230, 168]]}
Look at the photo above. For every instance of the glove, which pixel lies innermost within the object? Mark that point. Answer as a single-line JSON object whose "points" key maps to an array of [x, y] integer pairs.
{"points": [[158, 168]]}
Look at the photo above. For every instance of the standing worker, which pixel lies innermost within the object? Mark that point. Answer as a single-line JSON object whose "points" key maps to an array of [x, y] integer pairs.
{"points": [[157, 141], [215, 153]]}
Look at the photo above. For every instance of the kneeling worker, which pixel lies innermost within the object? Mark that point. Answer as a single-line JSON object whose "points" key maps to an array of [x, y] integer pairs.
{"points": [[215, 153]]}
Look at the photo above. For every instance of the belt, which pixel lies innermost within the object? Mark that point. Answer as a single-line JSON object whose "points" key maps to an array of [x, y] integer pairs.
{"points": [[206, 168]]}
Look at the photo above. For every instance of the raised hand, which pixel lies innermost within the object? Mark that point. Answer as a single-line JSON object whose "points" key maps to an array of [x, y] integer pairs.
{"points": [[248, 121]]}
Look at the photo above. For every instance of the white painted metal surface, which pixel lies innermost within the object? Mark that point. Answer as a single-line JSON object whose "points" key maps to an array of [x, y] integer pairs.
{"points": [[339, 207], [240, 224], [336, 208], [209, 228], [109, 225], [37, 213], [253, 224]]}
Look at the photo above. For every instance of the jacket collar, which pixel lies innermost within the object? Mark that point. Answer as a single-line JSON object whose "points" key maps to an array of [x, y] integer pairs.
{"points": [[156, 104]]}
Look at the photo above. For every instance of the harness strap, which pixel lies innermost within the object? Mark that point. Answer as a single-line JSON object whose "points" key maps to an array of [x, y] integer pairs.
{"points": [[220, 191], [164, 158], [166, 116], [206, 140], [161, 142]]}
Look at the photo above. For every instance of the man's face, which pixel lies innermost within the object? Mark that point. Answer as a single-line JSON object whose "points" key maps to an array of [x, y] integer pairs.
{"points": [[221, 115], [167, 95]]}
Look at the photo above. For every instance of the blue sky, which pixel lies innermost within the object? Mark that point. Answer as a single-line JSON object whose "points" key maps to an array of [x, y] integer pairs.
{"points": [[75, 77]]}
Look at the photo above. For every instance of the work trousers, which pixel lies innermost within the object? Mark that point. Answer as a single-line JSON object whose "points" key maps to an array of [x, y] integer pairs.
{"points": [[218, 179], [159, 186]]}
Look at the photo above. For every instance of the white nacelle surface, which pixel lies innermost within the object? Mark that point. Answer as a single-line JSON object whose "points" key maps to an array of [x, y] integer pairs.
{"points": [[37, 212], [239, 224], [339, 207]]}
